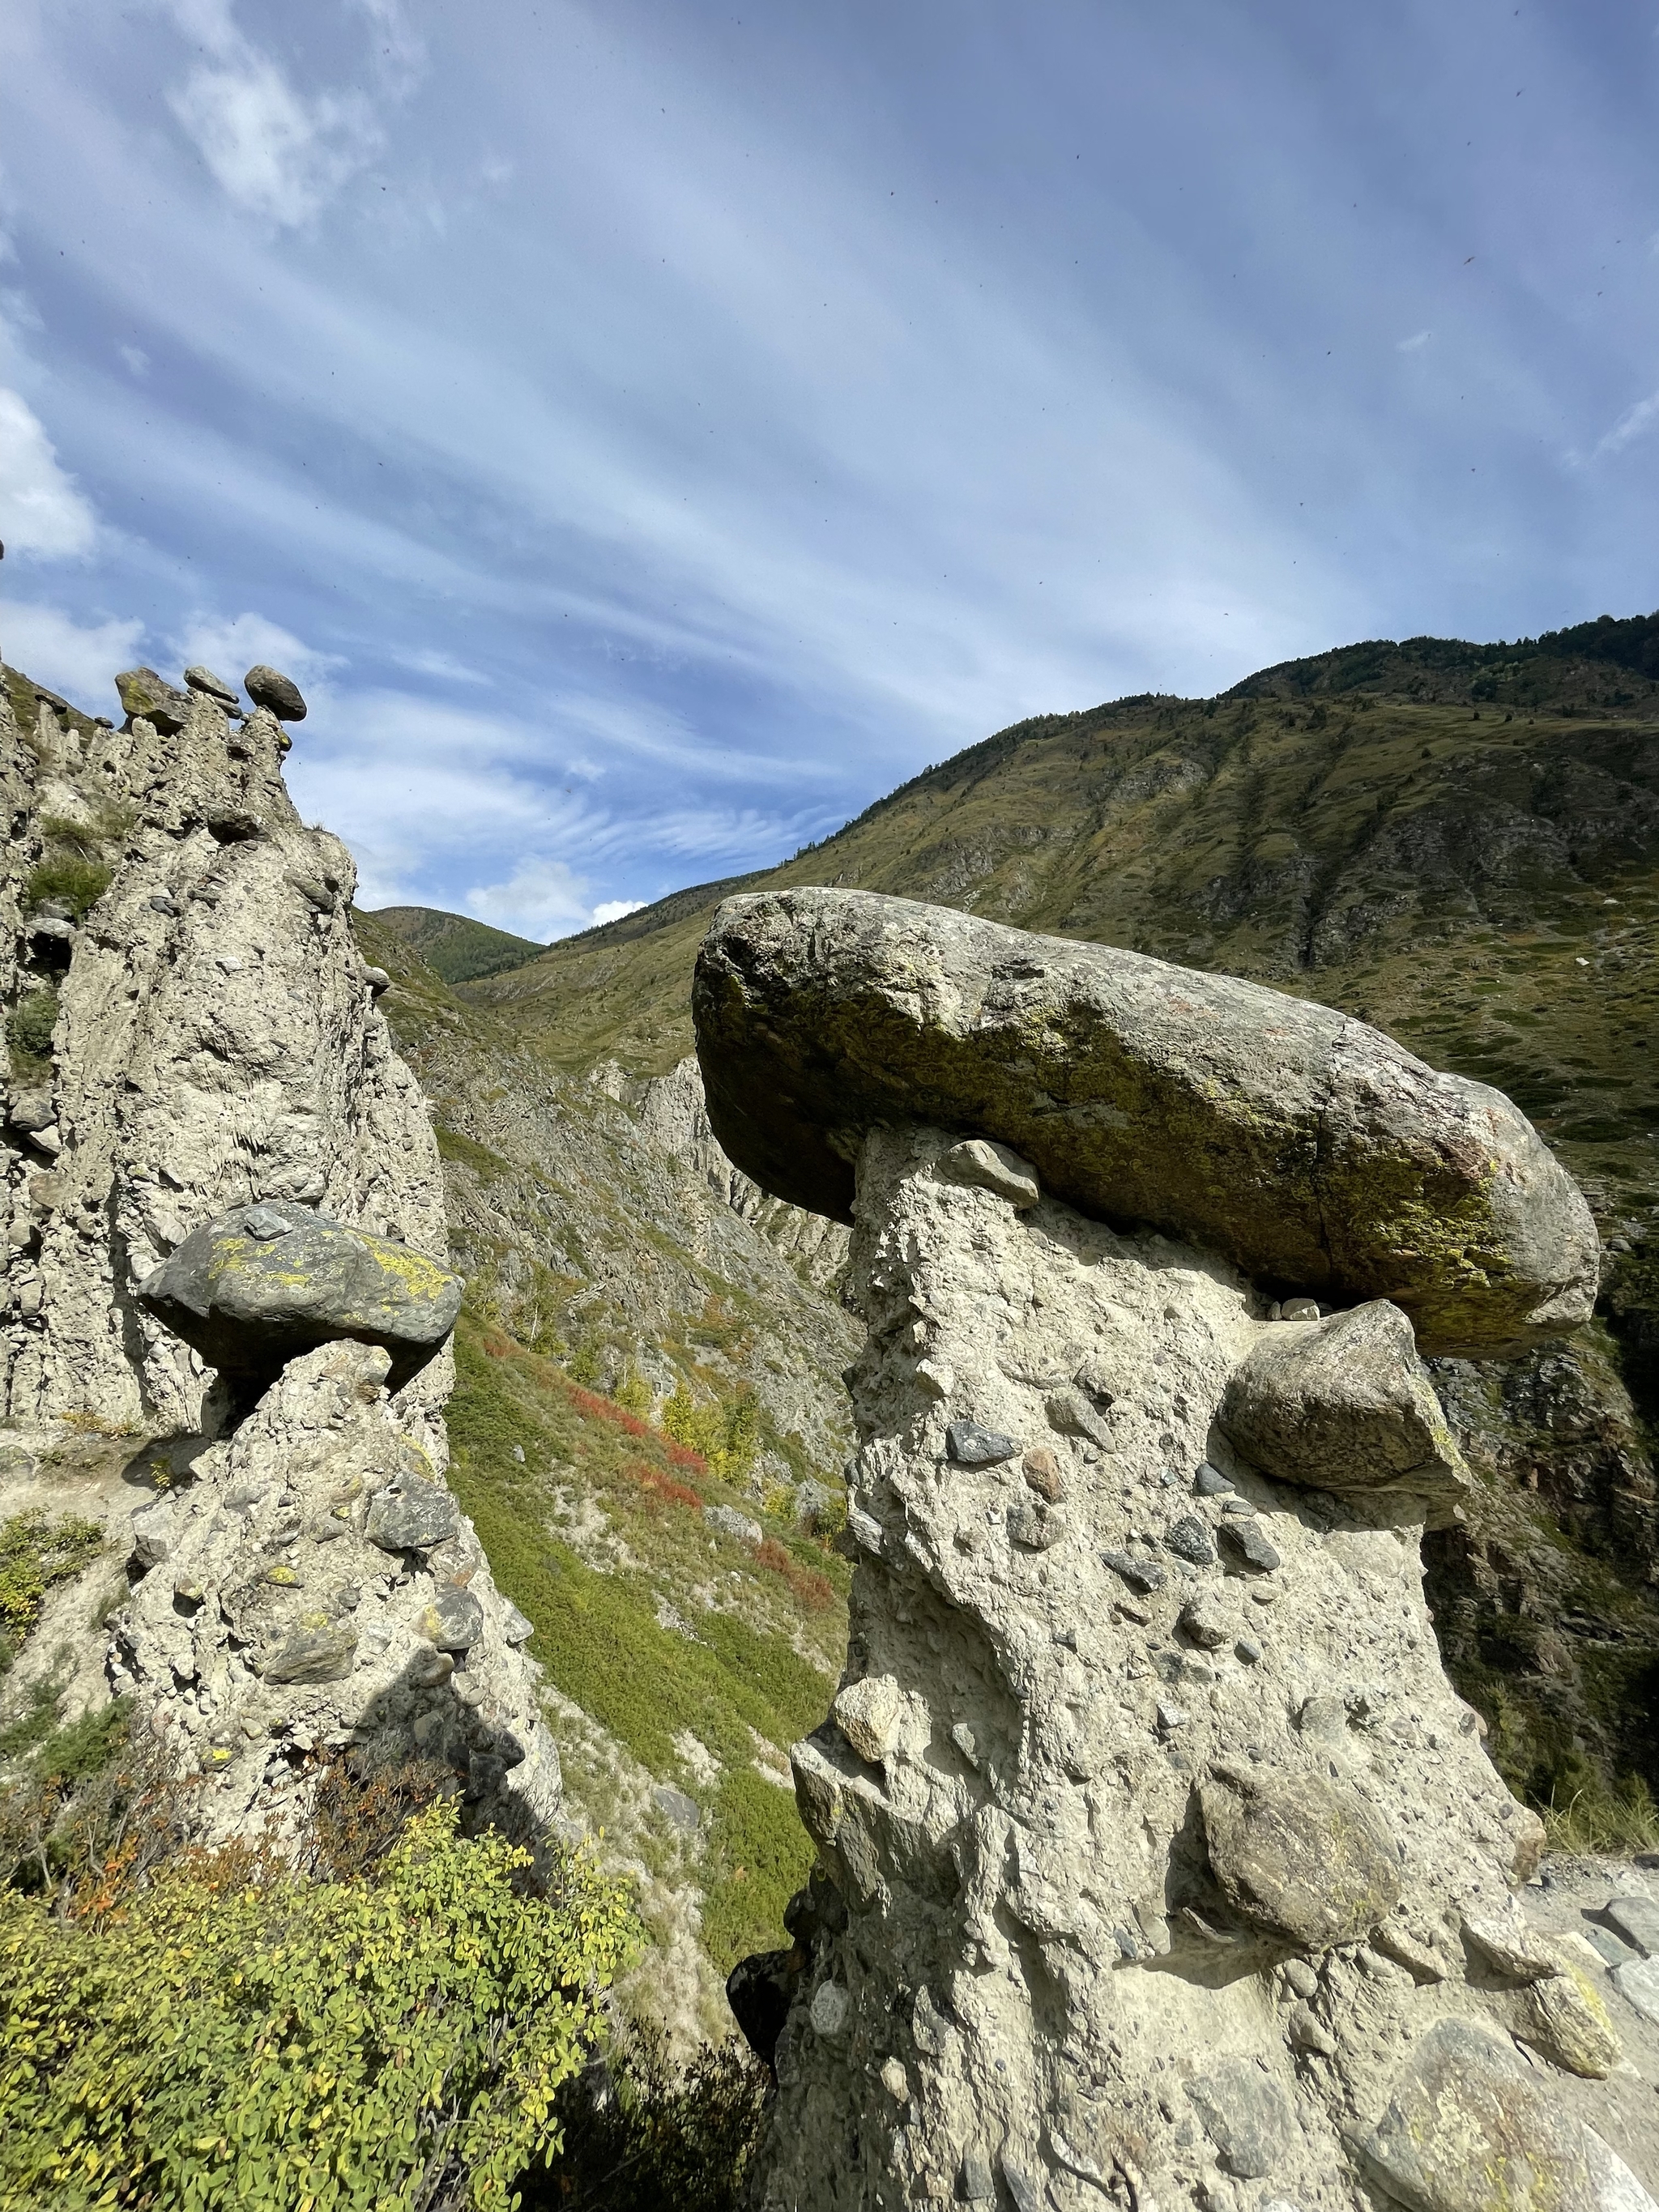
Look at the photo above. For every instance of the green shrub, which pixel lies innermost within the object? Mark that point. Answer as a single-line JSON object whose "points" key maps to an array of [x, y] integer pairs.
{"points": [[80, 883], [726, 1435], [234, 2035], [760, 1856], [635, 1395], [30, 1023], [37, 1551]]}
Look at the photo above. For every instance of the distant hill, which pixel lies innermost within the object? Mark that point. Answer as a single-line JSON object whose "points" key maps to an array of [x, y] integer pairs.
{"points": [[455, 947]]}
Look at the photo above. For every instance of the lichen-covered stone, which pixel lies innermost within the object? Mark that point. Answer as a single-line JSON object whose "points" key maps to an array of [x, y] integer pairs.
{"points": [[143, 692], [255, 1288], [1466, 2132], [1301, 1144], [1344, 1404], [1298, 1854]]}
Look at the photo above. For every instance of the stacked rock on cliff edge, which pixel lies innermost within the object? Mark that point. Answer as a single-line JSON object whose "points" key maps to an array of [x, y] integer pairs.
{"points": [[225, 1243], [1159, 1864]]}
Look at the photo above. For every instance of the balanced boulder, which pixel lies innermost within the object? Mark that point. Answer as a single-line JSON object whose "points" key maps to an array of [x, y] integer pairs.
{"points": [[143, 693], [255, 1288], [278, 694], [1308, 1147], [212, 687], [1343, 1404]]}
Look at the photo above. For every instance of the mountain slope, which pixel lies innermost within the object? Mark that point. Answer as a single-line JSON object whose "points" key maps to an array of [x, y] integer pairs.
{"points": [[1460, 843], [454, 946]]}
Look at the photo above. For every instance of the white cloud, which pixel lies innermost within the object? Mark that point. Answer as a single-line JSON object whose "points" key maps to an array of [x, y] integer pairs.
{"points": [[613, 910], [1415, 342], [40, 510], [80, 662], [1630, 424], [541, 899], [136, 359], [275, 151]]}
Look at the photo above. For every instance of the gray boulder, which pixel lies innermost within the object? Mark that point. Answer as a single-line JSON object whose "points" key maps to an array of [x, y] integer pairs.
{"points": [[142, 692], [1297, 1856], [257, 1287], [412, 1515], [1343, 1404], [278, 694], [1466, 2130], [1308, 1147], [212, 687]]}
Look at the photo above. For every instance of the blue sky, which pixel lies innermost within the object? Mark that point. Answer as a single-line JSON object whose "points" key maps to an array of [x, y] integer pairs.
{"points": [[650, 432]]}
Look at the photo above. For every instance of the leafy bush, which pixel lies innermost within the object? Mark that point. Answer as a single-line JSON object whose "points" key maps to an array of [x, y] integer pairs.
{"points": [[641, 2138], [236, 2034], [30, 1023], [725, 1436]]}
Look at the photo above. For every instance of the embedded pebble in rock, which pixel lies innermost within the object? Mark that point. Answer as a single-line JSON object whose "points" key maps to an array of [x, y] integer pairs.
{"points": [[1510, 1948], [411, 1515], [1042, 1471], [1145, 1908], [993, 1168], [1210, 1482], [1248, 1544], [1636, 1920], [1345, 1404], [867, 1714], [453, 1621], [970, 1445]]}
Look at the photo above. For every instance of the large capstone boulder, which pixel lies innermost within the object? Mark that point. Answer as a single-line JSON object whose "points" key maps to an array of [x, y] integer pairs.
{"points": [[278, 694], [1305, 1147], [1344, 1404], [257, 1287]]}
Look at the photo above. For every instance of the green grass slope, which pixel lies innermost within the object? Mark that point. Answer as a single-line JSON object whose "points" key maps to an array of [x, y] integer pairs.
{"points": [[454, 946]]}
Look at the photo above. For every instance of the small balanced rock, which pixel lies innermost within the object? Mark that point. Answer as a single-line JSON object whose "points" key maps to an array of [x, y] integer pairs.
{"points": [[213, 687], [278, 694], [145, 695]]}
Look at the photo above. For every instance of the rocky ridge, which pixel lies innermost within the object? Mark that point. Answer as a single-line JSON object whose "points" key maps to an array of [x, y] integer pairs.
{"points": [[195, 1052], [1159, 1861]]}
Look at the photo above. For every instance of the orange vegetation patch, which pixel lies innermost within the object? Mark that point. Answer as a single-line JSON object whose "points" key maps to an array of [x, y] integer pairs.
{"points": [[812, 1590], [656, 1484]]}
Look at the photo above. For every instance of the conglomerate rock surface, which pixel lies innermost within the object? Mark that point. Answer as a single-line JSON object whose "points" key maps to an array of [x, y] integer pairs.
{"points": [[1160, 1866], [204, 1104], [1308, 1147]]}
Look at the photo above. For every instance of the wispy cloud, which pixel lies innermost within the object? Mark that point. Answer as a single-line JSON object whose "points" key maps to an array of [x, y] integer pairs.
{"points": [[41, 510], [1415, 344], [1634, 422], [278, 153]]}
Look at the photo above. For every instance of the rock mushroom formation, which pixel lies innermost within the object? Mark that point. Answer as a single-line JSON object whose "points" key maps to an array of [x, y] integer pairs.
{"points": [[1308, 1148], [1158, 1863], [260, 1286]]}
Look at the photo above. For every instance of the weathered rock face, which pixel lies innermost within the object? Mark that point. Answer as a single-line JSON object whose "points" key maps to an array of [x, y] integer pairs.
{"points": [[214, 1045], [220, 1173], [1305, 1146], [254, 1290], [1161, 1852], [316, 1587]]}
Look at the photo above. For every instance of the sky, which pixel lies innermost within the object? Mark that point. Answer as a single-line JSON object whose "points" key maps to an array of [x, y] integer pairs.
{"points": [[649, 433]]}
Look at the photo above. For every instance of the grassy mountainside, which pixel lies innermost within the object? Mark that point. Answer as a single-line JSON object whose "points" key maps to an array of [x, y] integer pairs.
{"points": [[1458, 842], [454, 946]]}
